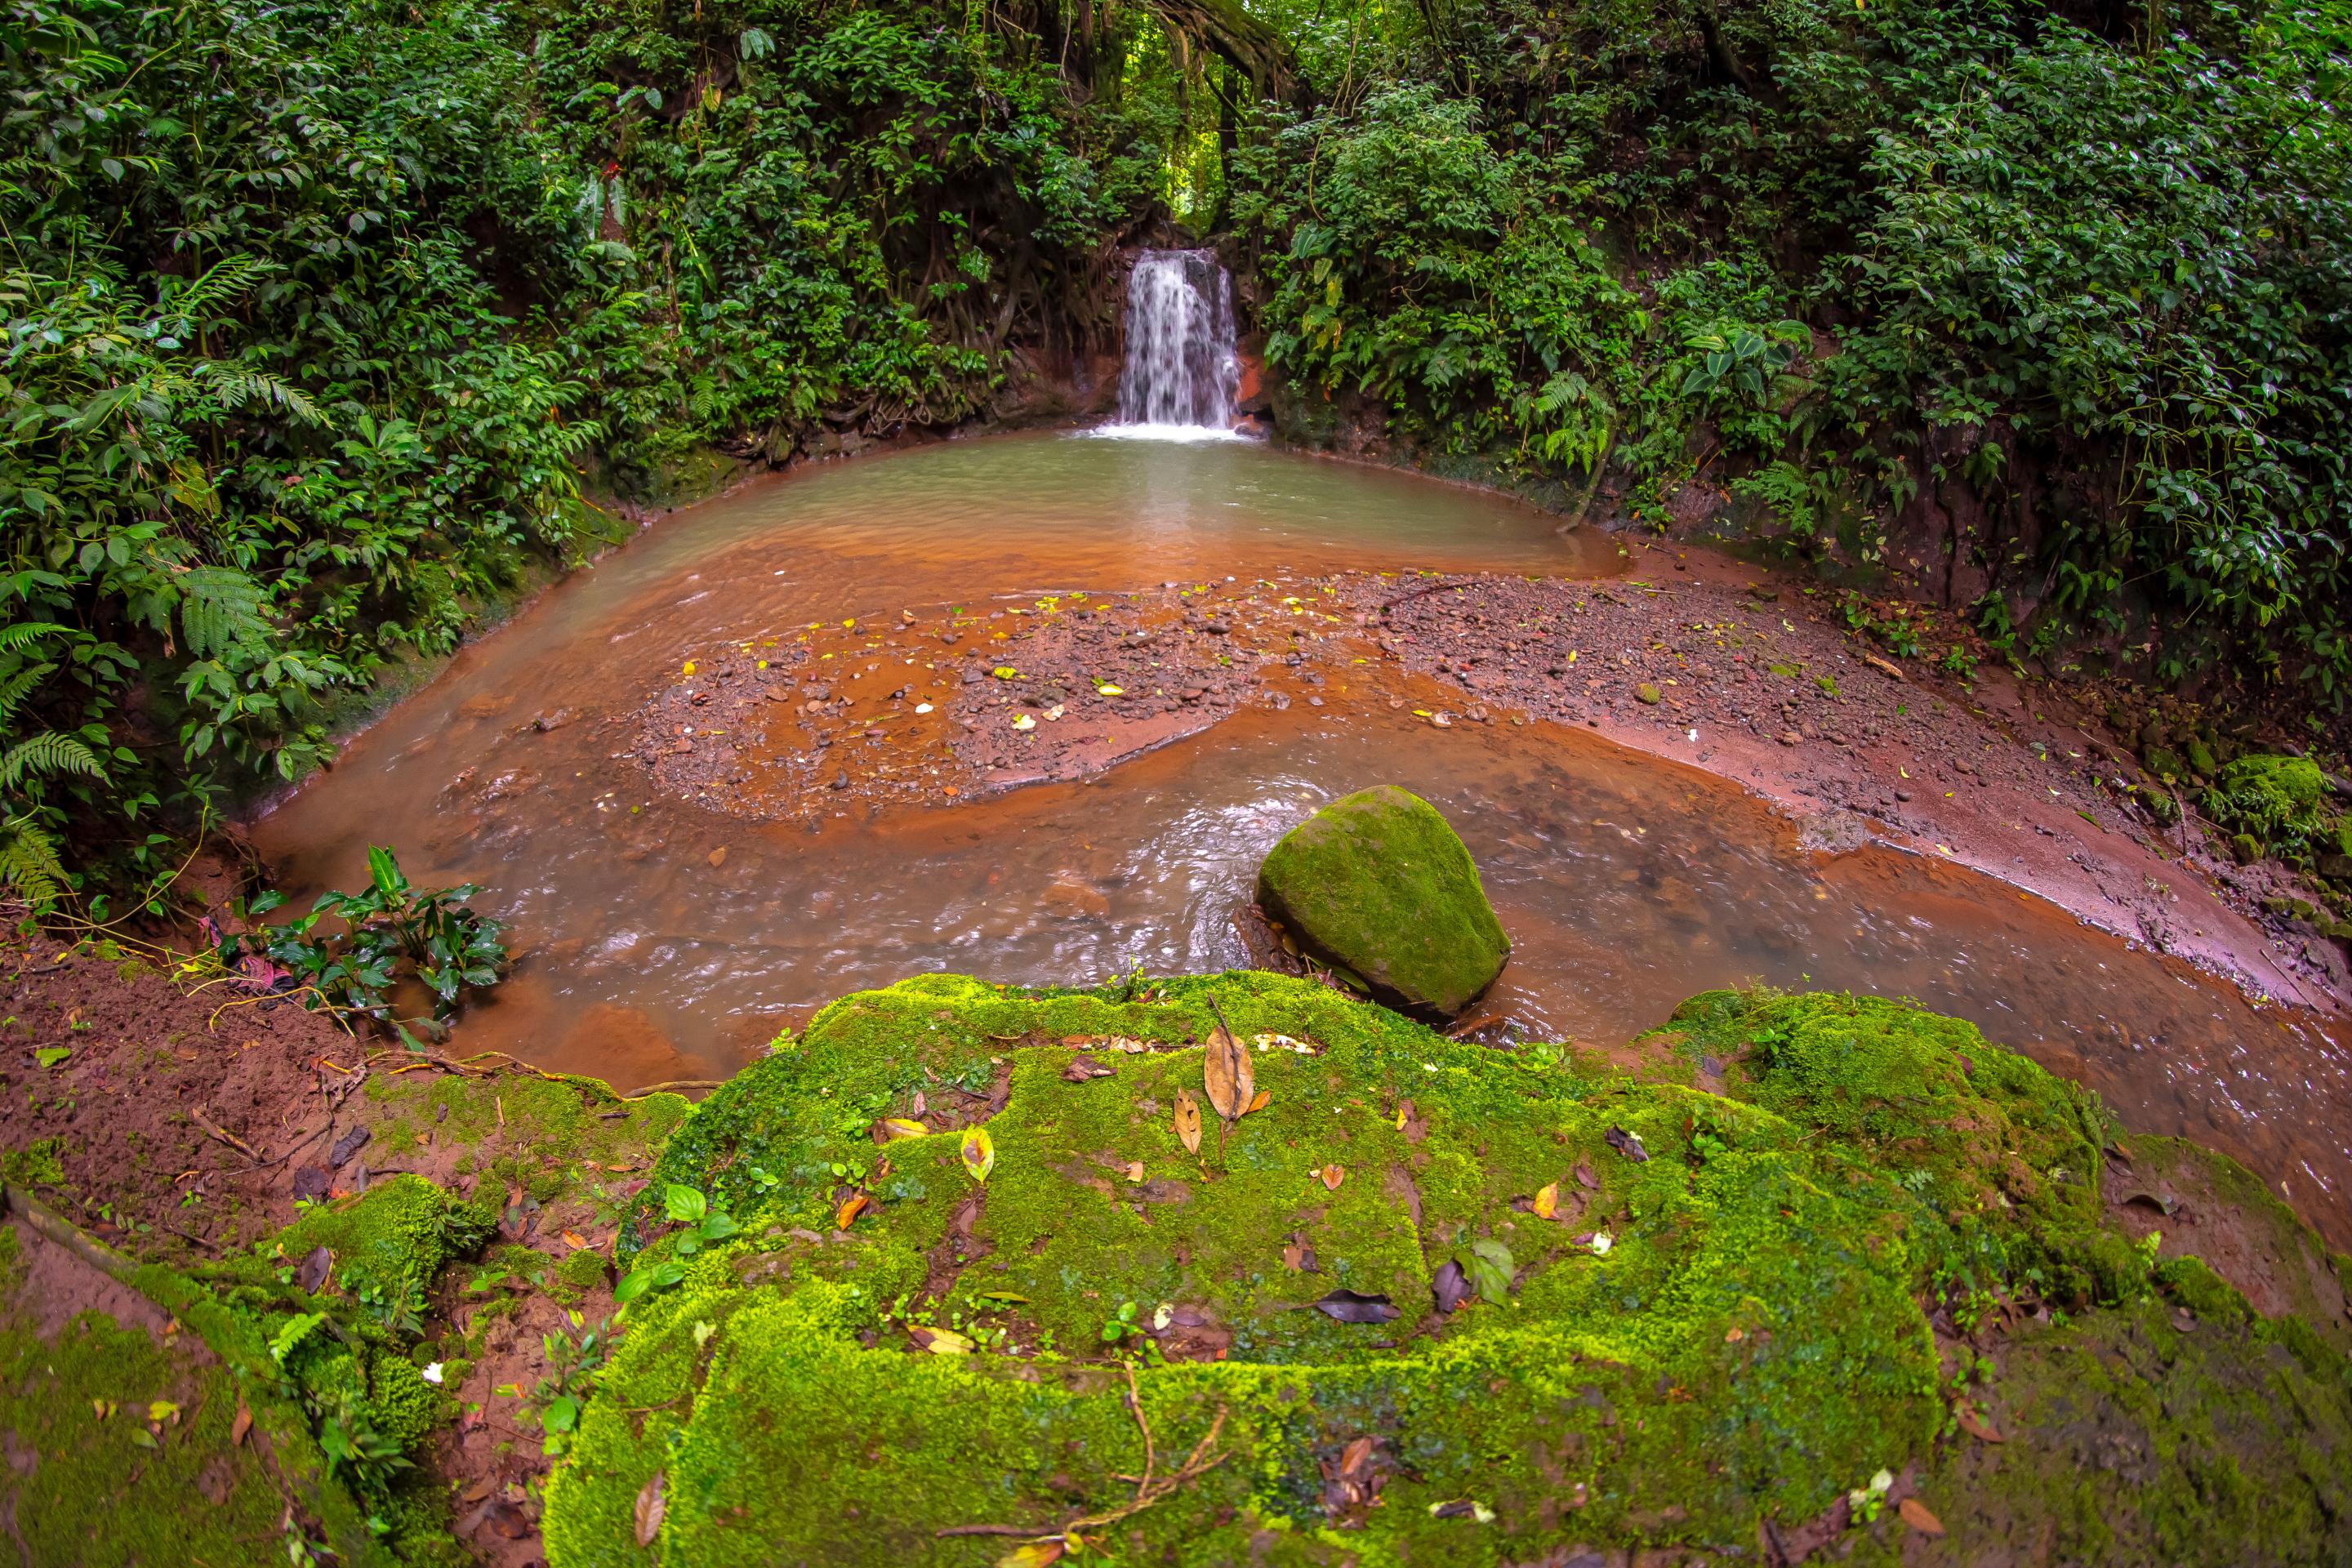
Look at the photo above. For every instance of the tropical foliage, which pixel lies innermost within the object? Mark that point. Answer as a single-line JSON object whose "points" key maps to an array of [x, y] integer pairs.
{"points": [[318, 318]]}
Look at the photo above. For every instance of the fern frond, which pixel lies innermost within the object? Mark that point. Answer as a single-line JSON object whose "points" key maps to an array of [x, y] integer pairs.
{"points": [[15, 689], [45, 755], [220, 613], [30, 864], [237, 385], [22, 633]]}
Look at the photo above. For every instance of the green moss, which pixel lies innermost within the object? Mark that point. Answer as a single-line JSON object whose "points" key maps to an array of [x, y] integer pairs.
{"points": [[1751, 1343], [2276, 802], [103, 1476], [1378, 883], [40, 1163]]}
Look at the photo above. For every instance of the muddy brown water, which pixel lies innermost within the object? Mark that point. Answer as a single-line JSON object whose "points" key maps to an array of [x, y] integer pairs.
{"points": [[1627, 883]]}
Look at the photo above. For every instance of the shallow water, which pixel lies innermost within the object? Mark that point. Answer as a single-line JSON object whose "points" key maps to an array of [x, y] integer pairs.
{"points": [[1627, 883]]}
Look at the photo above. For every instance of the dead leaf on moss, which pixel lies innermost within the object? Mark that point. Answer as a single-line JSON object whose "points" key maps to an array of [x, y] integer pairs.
{"points": [[1033, 1554], [1916, 1515], [1976, 1426], [941, 1341], [1081, 1068], [240, 1427], [890, 1129], [1259, 1101], [1188, 1120], [1333, 1175], [847, 1216], [312, 1276], [979, 1153], [1586, 1179], [1135, 1171], [1450, 1286], [1348, 1306], [1226, 1068], [651, 1506], [1627, 1143], [1298, 1258], [1547, 1202]]}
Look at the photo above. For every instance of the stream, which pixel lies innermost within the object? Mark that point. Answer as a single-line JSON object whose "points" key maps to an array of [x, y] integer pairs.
{"points": [[1627, 883]]}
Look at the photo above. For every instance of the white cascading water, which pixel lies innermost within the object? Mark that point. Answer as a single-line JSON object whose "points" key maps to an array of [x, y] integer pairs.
{"points": [[1181, 371]]}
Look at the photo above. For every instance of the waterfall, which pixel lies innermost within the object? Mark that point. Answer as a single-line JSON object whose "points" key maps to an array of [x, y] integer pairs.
{"points": [[1181, 372]]}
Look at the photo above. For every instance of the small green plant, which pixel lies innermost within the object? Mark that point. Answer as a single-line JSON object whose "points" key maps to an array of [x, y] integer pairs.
{"points": [[689, 1208], [1959, 663], [388, 926], [1121, 1325]]}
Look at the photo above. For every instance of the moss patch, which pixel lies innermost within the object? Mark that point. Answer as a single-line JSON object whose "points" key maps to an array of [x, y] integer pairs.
{"points": [[1378, 884], [1716, 1315]]}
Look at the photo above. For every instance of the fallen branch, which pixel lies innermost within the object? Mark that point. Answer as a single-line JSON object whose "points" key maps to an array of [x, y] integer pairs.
{"points": [[674, 1085]]}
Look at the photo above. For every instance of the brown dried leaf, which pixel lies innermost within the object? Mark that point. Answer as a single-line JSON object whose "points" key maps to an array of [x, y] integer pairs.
{"points": [[240, 1427], [1135, 1169], [847, 1213], [574, 1240], [1083, 1067], [1547, 1202], [651, 1506], [1586, 1179], [1350, 1307], [1226, 1067], [1450, 1286], [1977, 1427], [1333, 1175], [1259, 1100], [1188, 1120], [1298, 1259], [1916, 1515], [312, 1276], [1357, 1455]]}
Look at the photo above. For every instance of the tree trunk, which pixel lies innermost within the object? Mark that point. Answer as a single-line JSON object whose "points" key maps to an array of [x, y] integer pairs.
{"points": [[1248, 45]]}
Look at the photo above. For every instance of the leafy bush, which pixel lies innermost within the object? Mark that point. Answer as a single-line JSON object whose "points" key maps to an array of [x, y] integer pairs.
{"points": [[389, 927]]}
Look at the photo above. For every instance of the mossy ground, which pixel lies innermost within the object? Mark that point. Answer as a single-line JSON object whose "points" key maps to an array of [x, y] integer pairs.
{"points": [[1792, 1295], [334, 1375]]}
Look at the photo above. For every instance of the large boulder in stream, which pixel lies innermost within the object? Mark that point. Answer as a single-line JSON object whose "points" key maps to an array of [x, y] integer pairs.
{"points": [[1378, 885], [960, 1264]]}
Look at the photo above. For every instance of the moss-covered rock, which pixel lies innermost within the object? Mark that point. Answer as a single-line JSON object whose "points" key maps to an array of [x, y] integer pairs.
{"points": [[1675, 1317], [1378, 885]]}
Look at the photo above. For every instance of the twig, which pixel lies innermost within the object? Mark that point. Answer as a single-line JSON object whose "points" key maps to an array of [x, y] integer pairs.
{"points": [[216, 1129], [675, 1084], [1200, 1462]]}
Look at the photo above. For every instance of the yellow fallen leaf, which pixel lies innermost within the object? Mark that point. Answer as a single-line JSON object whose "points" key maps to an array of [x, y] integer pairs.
{"points": [[890, 1129], [979, 1153], [943, 1342], [1547, 1202], [1111, 690], [162, 1410], [1024, 722], [689, 666], [847, 1213]]}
